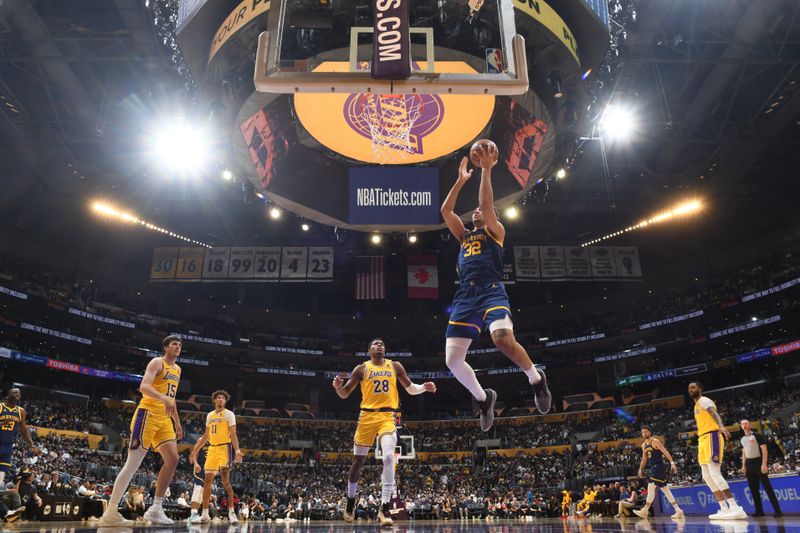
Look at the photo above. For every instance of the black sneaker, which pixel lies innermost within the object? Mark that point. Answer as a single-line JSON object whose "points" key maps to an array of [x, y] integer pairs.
{"points": [[349, 511], [487, 410], [542, 394]]}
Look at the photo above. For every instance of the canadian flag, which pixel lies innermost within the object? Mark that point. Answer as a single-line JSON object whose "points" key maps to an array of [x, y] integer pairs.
{"points": [[423, 277]]}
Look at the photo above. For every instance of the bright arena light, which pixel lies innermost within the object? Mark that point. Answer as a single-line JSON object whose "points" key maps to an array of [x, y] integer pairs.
{"points": [[180, 146], [274, 213], [617, 123], [104, 209], [412, 238], [227, 175], [376, 238], [304, 226], [512, 212], [683, 209], [561, 173]]}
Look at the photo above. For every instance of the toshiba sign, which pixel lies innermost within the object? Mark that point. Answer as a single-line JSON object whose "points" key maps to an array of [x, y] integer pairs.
{"points": [[786, 348]]}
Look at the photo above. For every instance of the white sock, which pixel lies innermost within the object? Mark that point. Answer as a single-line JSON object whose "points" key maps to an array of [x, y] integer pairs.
{"points": [[132, 463], [158, 501], [2, 478], [205, 512], [723, 506], [351, 489], [732, 503], [534, 376], [231, 511], [194, 512], [456, 359]]}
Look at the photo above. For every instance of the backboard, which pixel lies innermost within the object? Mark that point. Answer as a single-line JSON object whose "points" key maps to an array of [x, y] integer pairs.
{"points": [[456, 47]]}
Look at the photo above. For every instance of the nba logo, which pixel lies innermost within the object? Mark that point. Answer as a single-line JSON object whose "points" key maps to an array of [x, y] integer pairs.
{"points": [[494, 61]]}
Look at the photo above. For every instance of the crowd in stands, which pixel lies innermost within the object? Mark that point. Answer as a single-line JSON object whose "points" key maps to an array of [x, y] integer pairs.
{"points": [[446, 486]]}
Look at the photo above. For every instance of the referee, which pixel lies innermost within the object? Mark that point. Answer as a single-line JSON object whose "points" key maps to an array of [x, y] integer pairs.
{"points": [[754, 466]]}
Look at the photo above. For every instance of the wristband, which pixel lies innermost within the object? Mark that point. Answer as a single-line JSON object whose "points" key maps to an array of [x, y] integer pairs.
{"points": [[415, 389]]}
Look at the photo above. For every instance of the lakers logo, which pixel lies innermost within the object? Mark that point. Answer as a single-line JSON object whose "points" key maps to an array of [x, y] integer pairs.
{"points": [[379, 116], [410, 128]]}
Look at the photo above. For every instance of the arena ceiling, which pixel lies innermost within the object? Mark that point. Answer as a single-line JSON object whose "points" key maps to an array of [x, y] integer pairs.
{"points": [[715, 85]]}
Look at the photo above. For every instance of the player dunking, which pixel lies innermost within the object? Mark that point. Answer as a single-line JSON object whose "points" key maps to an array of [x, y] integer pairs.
{"points": [[12, 421], [379, 401], [710, 449], [653, 454], [156, 426], [223, 451], [481, 300]]}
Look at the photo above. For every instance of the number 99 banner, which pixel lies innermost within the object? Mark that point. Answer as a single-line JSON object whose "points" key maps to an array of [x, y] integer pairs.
{"points": [[243, 263]]}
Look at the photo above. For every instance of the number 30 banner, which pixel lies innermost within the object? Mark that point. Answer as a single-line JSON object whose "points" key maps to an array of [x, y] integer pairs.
{"points": [[243, 263]]}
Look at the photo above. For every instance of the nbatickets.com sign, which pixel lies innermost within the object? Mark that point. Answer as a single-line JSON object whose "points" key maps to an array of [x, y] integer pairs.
{"points": [[394, 195]]}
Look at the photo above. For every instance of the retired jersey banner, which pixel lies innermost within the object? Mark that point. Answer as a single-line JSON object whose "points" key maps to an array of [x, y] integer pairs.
{"points": [[527, 262], [576, 263], [423, 277]]}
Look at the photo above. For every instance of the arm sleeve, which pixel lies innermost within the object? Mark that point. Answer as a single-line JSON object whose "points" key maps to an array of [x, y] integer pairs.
{"points": [[230, 418]]}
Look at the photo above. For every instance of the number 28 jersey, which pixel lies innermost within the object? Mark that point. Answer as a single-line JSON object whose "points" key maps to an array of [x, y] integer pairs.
{"points": [[166, 382], [480, 259], [379, 386]]}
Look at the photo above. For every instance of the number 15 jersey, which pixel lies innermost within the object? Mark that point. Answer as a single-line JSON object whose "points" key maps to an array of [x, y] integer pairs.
{"points": [[379, 386], [165, 382]]}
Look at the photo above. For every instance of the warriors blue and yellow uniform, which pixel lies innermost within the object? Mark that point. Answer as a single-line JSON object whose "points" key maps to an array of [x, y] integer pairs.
{"points": [[481, 298], [379, 401], [9, 427], [220, 449], [710, 442], [151, 426], [656, 467]]}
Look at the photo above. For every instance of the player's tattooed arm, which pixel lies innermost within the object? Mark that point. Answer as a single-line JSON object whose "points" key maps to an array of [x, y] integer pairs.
{"points": [[715, 415], [658, 444], [344, 389]]}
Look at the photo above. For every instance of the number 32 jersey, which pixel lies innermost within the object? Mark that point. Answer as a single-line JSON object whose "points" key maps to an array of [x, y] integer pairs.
{"points": [[480, 259], [379, 386]]}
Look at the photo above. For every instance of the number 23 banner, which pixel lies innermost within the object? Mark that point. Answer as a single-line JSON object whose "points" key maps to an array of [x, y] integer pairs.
{"points": [[243, 263]]}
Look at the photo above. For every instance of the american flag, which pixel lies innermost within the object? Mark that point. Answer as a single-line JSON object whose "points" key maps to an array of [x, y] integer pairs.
{"points": [[370, 277]]}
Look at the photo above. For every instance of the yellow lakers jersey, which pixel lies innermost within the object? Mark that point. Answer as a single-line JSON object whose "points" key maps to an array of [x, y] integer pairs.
{"points": [[379, 386], [705, 422], [219, 426], [166, 382]]}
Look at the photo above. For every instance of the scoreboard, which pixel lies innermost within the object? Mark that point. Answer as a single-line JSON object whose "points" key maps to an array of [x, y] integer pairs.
{"points": [[243, 263]]}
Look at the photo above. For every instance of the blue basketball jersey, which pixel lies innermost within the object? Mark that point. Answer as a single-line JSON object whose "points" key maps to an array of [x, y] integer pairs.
{"points": [[9, 424], [480, 259], [654, 455]]}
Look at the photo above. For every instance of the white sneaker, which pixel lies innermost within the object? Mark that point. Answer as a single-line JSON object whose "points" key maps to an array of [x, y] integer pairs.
{"points": [[678, 515], [112, 518], [737, 513], [642, 513], [156, 515], [232, 518], [199, 519], [719, 515]]}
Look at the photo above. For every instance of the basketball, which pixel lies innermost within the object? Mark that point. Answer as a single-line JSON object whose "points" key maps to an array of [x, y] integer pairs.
{"points": [[473, 151]]}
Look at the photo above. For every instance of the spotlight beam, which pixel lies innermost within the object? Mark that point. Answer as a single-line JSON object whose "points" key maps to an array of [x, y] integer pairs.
{"points": [[683, 209], [107, 210]]}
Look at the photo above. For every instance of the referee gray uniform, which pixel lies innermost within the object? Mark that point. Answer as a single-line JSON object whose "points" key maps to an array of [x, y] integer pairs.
{"points": [[752, 460]]}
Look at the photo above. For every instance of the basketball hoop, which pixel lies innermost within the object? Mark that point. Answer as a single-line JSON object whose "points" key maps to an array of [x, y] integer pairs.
{"points": [[390, 118]]}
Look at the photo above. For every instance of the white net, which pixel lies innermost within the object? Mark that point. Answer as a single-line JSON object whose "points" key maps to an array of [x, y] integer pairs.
{"points": [[391, 118]]}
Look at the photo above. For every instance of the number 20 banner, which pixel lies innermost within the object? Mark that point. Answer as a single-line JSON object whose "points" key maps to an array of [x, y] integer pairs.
{"points": [[243, 263]]}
